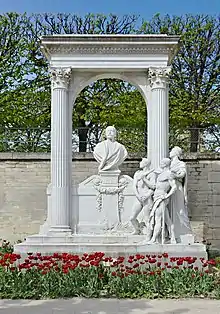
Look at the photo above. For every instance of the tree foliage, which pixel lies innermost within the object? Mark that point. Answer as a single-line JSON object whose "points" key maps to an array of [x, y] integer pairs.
{"points": [[25, 101], [195, 77], [25, 82]]}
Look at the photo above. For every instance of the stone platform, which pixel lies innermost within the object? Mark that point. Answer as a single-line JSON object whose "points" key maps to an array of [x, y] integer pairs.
{"points": [[114, 245]]}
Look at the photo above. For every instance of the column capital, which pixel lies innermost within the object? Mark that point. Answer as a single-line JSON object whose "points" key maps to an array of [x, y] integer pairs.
{"points": [[158, 77], [60, 77]]}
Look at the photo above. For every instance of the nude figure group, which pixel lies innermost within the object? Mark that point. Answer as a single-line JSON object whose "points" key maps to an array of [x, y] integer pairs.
{"points": [[161, 199], [161, 196]]}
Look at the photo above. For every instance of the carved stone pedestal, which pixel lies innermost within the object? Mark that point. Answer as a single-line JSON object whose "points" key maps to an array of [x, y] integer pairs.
{"points": [[112, 187], [103, 204]]}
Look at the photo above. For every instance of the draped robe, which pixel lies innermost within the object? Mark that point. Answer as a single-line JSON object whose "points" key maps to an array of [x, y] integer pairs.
{"points": [[110, 155], [178, 201]]}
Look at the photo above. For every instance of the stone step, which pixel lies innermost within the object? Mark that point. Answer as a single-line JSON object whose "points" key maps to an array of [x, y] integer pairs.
{"points": [[88, 238], [113, 249]]}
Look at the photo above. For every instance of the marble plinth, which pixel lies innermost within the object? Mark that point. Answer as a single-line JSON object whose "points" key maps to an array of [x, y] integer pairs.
{"points": [[103, 203], [113, 245]]}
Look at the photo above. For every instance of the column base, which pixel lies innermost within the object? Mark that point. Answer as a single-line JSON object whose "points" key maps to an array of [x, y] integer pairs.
{"points": [[60, 230]]}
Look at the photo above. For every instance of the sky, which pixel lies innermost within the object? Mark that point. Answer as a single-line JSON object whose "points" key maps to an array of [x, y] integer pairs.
{"points": [[144, 8]]}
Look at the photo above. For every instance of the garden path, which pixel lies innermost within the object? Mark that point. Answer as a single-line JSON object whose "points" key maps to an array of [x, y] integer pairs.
{"points": [[109, 306]]}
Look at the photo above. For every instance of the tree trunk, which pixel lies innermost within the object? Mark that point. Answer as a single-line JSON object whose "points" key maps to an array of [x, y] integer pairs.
{"points": [[194, 140]]}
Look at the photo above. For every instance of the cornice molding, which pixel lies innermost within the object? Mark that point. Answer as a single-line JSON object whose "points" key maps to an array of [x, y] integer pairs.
{"points": [[106, 49]]}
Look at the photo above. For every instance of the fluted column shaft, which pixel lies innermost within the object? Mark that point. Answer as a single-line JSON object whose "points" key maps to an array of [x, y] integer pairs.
{"points": [[158, 131], [61, 153]]}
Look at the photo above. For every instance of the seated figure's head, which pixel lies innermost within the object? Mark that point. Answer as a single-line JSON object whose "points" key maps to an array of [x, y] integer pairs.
{"points": [[165, 163], [110, 132], [176, 151], [145, 163]]}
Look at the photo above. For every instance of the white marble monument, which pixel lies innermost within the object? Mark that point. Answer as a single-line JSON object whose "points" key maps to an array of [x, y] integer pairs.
{"points": [[143, 185], [159, 215], [108, 194], [179, 201], [110, 154], [102, 212]]}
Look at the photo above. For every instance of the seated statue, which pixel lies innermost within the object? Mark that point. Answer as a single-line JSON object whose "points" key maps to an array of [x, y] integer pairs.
{"points": [[109, 153], [143, 186], [159, 216]]}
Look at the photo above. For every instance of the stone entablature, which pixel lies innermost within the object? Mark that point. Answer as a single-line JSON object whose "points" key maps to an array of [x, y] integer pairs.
{"points": [[109, 44]]}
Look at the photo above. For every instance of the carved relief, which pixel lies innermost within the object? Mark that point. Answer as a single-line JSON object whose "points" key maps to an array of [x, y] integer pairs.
{"points": [[97, 49], [158, 77], [60, 77], [97, 183]]}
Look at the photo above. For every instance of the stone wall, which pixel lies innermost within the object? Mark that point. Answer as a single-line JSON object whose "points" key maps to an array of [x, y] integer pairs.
{"points": [[24, 179]]}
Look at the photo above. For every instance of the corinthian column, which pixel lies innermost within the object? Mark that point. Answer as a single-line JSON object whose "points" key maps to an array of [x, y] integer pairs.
{"points": [[158, 115], [61, 152]]}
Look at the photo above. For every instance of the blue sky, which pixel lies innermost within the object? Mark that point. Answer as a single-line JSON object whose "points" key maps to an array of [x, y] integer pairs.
{"points": [[145, 8]]}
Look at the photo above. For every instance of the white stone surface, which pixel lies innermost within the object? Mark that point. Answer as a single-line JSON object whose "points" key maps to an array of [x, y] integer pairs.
{"points": [[144, 183], [121, 52], [159, 220], [126, 57], [102, 204], [61, 156], [158, 115], [179, 200], [111, 245], [109, 153]]}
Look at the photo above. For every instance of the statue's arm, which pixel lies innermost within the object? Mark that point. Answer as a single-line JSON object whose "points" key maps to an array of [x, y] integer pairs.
{"points": [[135, 181], [181, 173], [173, 189], [151, 182]]}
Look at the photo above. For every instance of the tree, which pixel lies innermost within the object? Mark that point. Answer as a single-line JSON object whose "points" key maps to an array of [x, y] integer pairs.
{"points": [[11, 50], [30, 85], [24, 101], [25, 120], [195, 77], [25, 82], [107, 102]]}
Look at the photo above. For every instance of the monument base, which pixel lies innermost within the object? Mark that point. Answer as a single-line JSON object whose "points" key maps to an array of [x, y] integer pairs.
{"points": [[111, 245]]}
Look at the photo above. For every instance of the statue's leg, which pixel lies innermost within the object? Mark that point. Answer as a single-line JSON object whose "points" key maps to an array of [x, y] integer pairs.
{"points": [[158, 224], [137, 208], [170, 226], [147, 210]]}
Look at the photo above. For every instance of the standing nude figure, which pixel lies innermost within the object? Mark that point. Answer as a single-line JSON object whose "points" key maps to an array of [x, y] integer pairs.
{"points": [[159, 217], [143, 185]]}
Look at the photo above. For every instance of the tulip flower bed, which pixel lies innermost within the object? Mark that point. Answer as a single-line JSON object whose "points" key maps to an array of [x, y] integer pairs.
{"points": [[96, 275]]}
